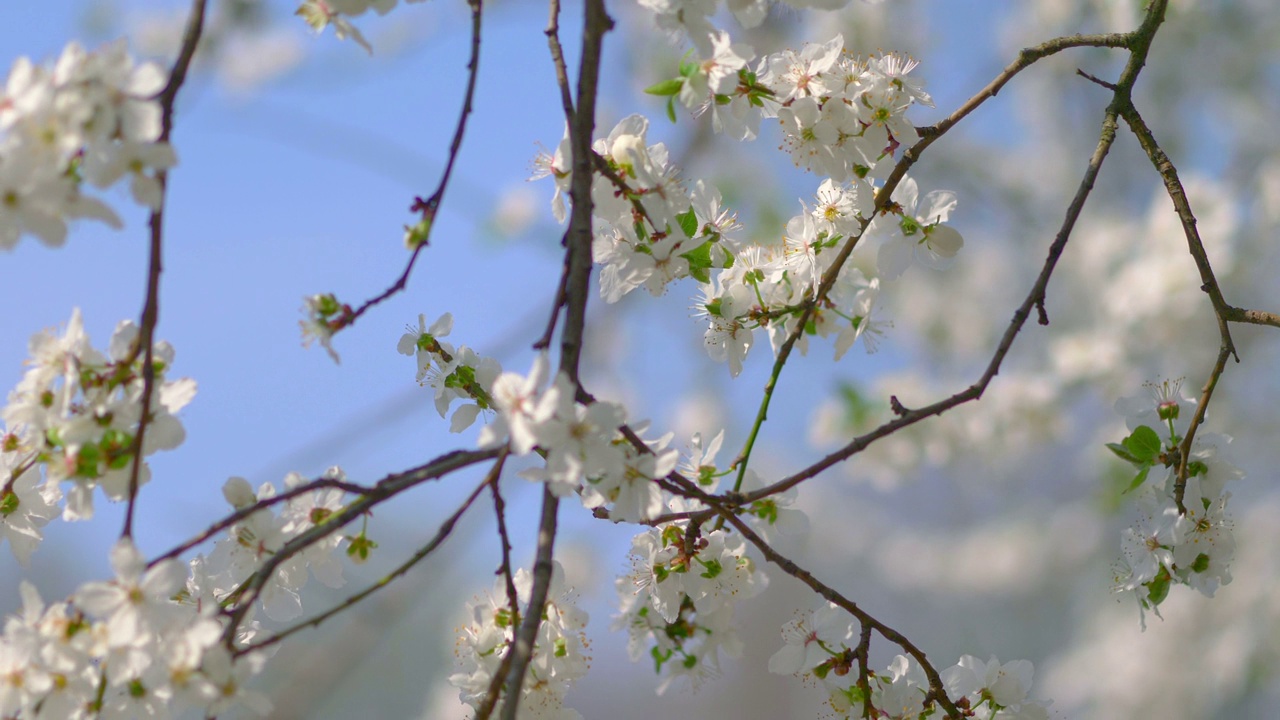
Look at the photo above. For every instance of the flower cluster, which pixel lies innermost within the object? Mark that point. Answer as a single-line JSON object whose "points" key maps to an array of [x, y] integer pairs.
{"points": [[124, 648], [559, 653], [820, 647], [262, 534], [93, 117], [582, 445], [75, 414], [677, 603], [583, 449], [155, 641], [842, 117], [651, 228], [452, 373], [325, 315], [1167, 546]]}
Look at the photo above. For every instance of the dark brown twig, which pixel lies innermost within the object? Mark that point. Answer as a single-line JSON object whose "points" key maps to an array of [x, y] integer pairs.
{"points": [[576, 284], [390, 486], [151, 306], [244, 512], [513, 602], [1139, 44], [441, 534], [884, 194], [937, 691], [1221, 309], [430, 207]]}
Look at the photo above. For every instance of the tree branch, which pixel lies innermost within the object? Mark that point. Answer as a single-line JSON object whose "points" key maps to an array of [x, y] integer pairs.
{"points": [[151, 305], [430, 207]]}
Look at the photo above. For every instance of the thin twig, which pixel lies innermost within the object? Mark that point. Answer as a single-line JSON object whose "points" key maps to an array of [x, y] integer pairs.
{"points": [[441, 534], [928, 135], [1139, 42], [1221, 309], [526, 636], [862, 653], [430, 207], [388, 487], [513, 603], [557, 58], [1253, 317], [937, 690], [1202, 406], [244, 512], [576, 281], [145, 341]]}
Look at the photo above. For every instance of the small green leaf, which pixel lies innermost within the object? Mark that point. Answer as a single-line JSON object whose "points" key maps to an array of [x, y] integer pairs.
{"points": [[688, 222], [1200, 564], [1139, 478], [8, 503], [417, 234], [671, 109], [1158, 588], [666, 87], [1123, 453], [699, 260], [687, 68], [660, 656], [1143, 443]]}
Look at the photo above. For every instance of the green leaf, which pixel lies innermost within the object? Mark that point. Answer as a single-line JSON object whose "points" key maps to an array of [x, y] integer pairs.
{"points": [[1143, 443], [1158, 588], [1138, 479], [666, 87], [671, 109], [699, 260], [1200, 564], [415, 235], [686, 67], [688, 222], [659, 657], [8, 503], [1123, 453]]}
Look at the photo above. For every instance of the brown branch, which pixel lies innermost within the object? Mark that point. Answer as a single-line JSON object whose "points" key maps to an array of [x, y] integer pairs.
{"points": [[1184, 450], [576, 283], [244, 512], [557, 58], [441, 534], [1139, 44], [513, 602], [388, 487], [430, 207], [928, 135], [1223, 311], [1253, 317], [151, 305], [1173, 185], [937, 691], [1035, 298], [862, 653], [527, 635]]}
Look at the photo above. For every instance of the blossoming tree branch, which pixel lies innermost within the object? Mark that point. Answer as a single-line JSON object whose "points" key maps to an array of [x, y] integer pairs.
{"points": [[188, 629]]}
